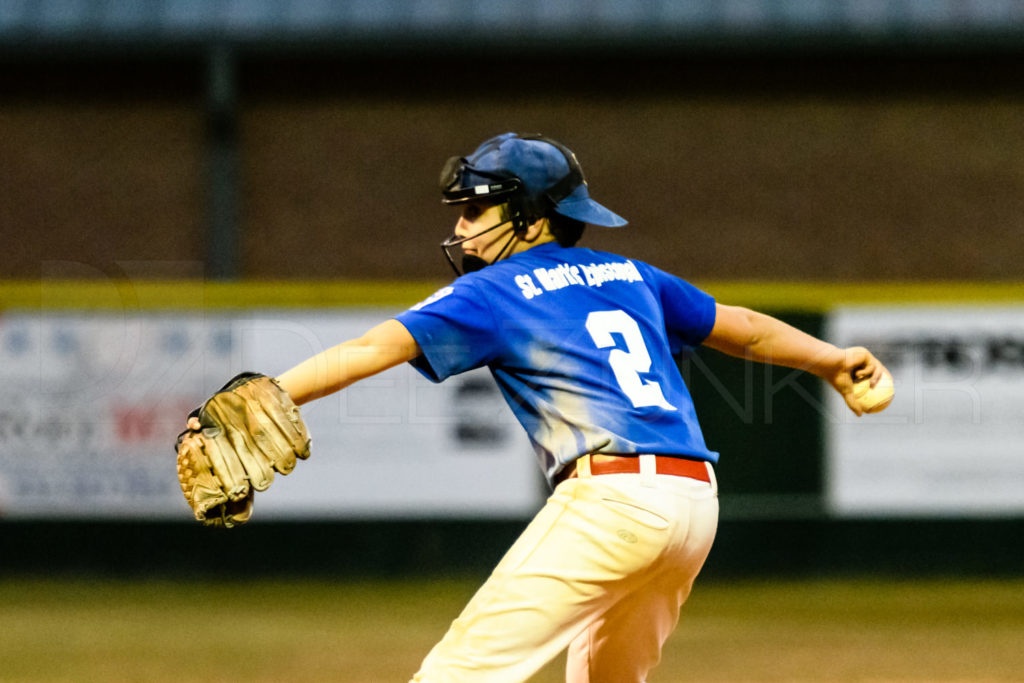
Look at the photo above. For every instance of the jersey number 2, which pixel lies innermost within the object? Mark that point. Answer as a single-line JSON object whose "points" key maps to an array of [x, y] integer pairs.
{"points": [[627, 364]]}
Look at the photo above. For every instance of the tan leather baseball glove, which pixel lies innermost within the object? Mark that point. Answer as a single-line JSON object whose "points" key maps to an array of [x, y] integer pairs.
{"points": [[247, 431]]}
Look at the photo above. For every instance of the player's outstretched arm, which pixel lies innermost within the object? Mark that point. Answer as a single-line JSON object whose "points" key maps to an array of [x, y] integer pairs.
{"points": [[250, 429], [382, 347], [755, 336], [385, 346]]}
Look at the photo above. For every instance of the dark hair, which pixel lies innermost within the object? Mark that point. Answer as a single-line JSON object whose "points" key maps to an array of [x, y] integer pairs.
{"points": [[567, 231]]}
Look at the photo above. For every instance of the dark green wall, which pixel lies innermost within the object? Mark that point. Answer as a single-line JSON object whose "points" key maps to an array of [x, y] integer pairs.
{"points": [[765, 422]]}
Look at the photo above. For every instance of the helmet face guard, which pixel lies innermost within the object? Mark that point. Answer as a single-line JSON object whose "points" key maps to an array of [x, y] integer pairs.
{"points": [[461, 183], [471, 263]]}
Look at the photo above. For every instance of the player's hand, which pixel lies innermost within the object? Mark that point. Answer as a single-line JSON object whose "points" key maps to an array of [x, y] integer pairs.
{"points": [[862, 380]]}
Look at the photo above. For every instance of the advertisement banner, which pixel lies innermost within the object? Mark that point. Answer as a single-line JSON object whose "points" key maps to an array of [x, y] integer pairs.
{"points": [[95, 401], [952, 442]]}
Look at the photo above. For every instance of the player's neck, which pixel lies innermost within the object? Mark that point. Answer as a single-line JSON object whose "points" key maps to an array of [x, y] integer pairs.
{"points": [[523, 245]]}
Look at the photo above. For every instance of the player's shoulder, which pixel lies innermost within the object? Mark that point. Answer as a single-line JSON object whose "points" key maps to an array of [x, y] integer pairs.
{"points": [[589, 266], [595, 257], [553, 252]]}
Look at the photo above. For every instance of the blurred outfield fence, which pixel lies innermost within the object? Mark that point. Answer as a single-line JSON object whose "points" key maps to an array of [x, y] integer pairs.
{"points": [[103, 372], [229, 135]]}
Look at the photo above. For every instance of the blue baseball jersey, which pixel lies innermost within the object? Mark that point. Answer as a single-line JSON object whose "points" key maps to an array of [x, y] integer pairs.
{"points": [[582, 344]]}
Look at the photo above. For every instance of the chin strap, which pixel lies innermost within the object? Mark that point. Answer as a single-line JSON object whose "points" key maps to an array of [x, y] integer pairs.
{"points": [[508, 244], [470, 262]]}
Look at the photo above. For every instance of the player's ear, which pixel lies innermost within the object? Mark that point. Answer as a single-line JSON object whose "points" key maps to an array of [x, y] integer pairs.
{"points": [[537, 229]]}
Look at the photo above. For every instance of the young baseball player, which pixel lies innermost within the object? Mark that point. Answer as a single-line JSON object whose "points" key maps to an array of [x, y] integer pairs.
{"points": [[582, 345]]}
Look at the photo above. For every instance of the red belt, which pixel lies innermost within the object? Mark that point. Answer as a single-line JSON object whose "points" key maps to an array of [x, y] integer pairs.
{"points": [[601, 463]]}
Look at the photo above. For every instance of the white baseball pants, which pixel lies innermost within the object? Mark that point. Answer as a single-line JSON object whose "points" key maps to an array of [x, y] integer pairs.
{"points": [[602, 569]]}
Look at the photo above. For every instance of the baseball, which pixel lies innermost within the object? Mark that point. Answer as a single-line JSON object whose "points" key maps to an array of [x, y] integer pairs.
{"points": [[874, 399]]}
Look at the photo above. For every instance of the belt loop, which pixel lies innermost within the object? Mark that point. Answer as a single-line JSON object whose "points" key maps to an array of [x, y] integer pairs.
{"points": [[648, 469], [711, 476], [583, 466]]}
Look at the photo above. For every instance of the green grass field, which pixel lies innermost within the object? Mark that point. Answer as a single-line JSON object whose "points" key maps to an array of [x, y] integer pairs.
{"points": [[361, 631]]}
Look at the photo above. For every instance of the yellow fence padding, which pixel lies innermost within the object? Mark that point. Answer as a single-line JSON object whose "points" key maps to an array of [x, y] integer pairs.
{"points": [[198, 294]]}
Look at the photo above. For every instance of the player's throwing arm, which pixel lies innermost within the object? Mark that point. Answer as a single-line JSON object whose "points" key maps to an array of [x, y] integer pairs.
{"points": [[860, 378]]}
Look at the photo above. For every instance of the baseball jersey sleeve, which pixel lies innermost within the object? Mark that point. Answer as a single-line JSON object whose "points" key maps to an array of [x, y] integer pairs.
{"points": [[455, 330], [689, 311]]}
